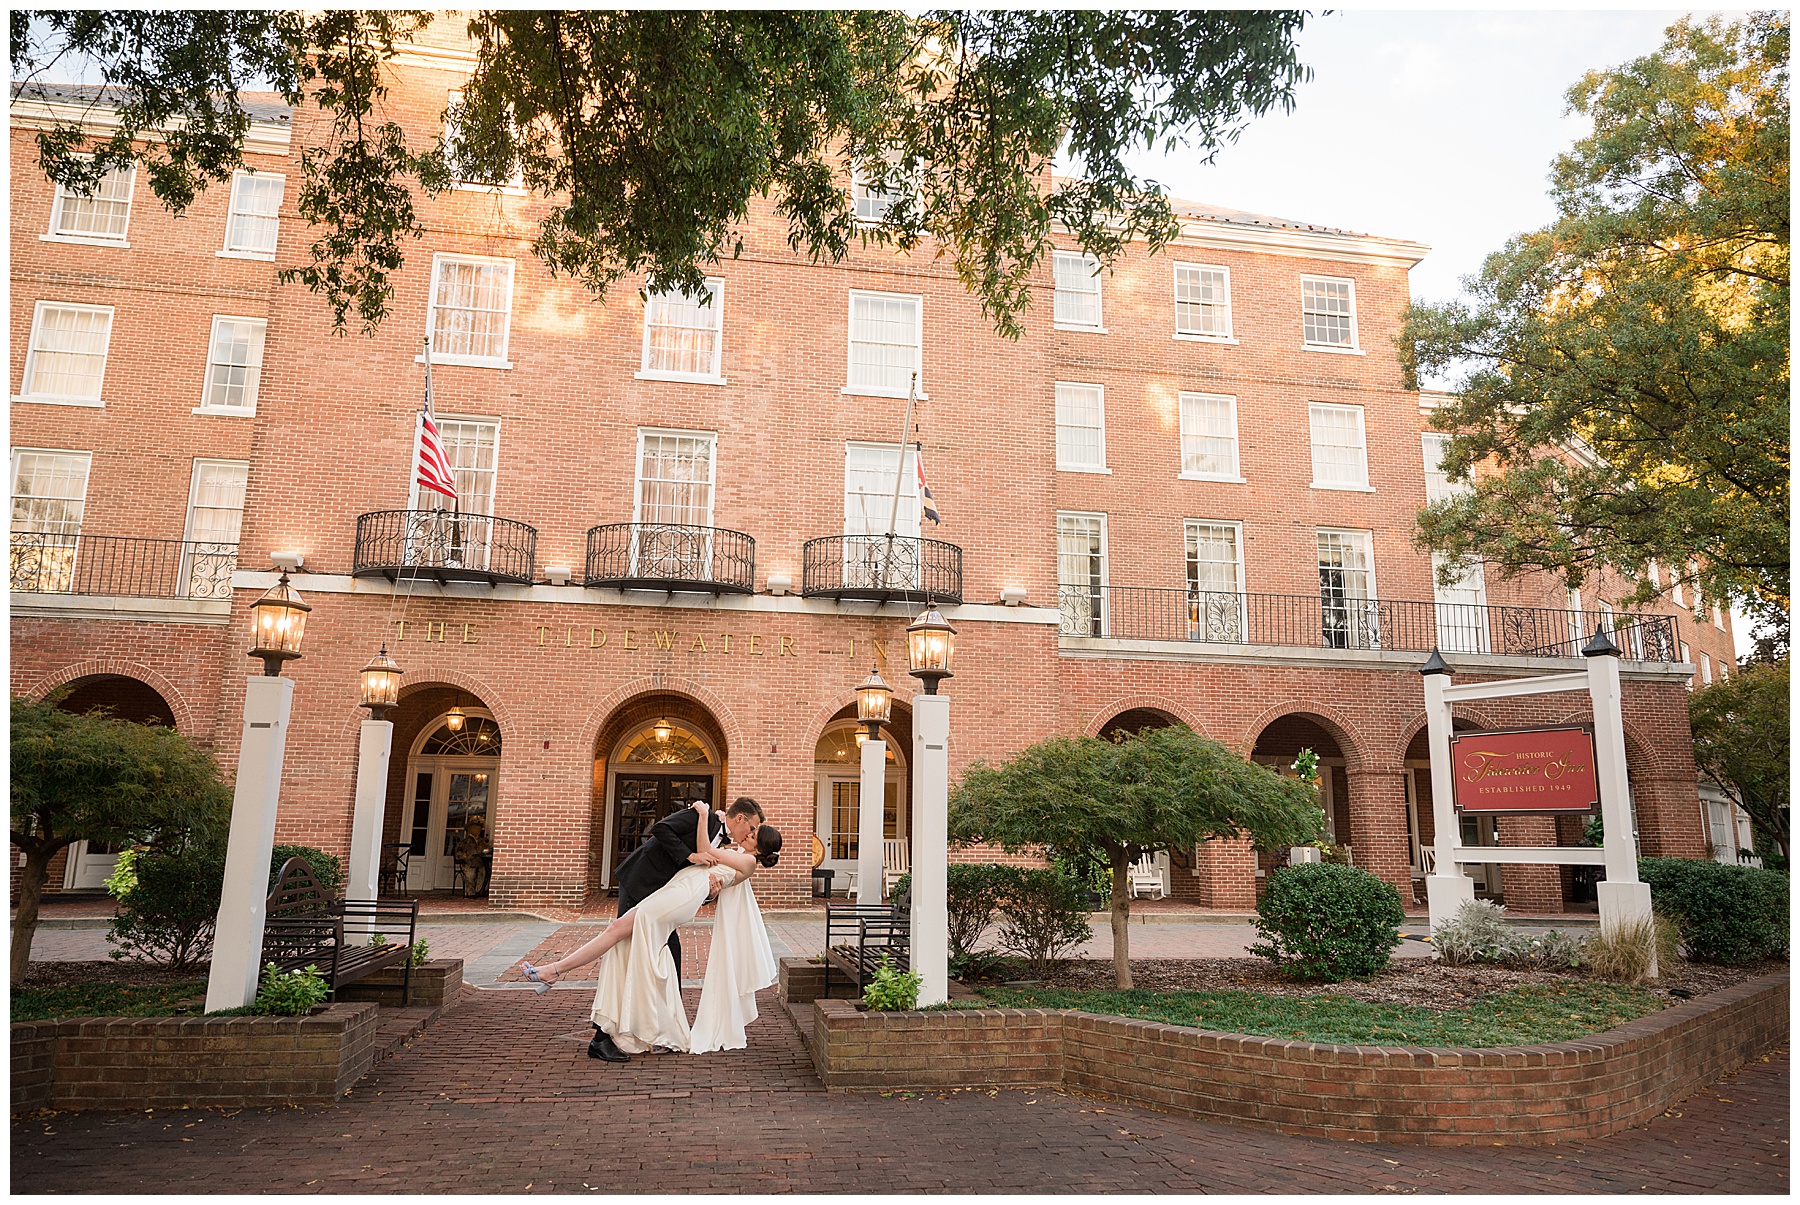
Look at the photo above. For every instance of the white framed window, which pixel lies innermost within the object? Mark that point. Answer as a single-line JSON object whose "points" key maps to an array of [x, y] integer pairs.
{"points": [[470, 315], [1340, 452], [1655, 574], [214, 520], [1215, 581], [65, 362], [1203, 302], [255, 218], [873, 507], [1686, 659], [463, 174], [472, 449], [873, 205], [1081, 573], [234, 359], [1438, 486], [886, 337], [1349, 617], [1077, 290], [1461, 609], [1718, 615], [1675, 590], [684, 334], [675, 477], [1081, 428], [100, 220], [1577, 629], [1705, 670], [1209, 437], [49, 496], [1328, 313]]}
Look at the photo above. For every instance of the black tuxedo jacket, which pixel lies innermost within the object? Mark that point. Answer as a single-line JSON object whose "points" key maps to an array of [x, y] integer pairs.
{"points": [[651, 865]]}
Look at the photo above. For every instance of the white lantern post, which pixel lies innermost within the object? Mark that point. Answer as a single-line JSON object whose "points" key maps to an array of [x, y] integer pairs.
{"points": [[874, 707], [278, 620], [380, 694], [930, 649]]}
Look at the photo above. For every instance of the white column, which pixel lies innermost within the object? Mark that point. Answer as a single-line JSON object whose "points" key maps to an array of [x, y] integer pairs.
{"points": [[870, 811], [1447, 888], [364, 879], [1624, 900], [930, 847], [238, 934]]}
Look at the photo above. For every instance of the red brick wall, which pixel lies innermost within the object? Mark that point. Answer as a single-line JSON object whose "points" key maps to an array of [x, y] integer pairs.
{"points": [[1527, 1094]]}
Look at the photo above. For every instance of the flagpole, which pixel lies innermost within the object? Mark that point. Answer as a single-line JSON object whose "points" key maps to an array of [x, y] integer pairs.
{"points": [[887, 560]]}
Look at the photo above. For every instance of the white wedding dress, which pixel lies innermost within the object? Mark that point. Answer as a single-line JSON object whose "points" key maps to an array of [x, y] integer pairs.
{"points": [[638, 999]]}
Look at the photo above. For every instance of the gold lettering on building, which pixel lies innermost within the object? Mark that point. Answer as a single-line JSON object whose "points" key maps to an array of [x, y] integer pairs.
{"points": [[434, 627], [596, 638], [699, 645], [400, 625], [787, 647], [629, 633], [660, 639], [880, 647], [542, 630], [754, 651], [469, 636], [725, 642]]}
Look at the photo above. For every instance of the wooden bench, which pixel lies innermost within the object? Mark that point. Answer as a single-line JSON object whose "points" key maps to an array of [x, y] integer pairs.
{"points": [[305, 926], [859, 936]]}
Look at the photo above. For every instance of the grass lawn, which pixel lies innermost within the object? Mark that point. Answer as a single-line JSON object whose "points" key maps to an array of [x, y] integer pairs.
{"points": [[107, 1000], [1523, 1016]]}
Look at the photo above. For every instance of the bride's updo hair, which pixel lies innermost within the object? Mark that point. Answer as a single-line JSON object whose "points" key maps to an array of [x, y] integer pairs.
{"points": [[768, 845]]}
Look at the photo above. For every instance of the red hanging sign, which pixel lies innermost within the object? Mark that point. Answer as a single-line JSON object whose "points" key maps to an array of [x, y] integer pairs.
{"points": [[1525, 771]]}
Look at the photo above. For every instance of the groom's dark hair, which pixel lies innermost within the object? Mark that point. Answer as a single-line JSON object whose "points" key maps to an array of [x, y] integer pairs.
{"points": [[743, 805]]}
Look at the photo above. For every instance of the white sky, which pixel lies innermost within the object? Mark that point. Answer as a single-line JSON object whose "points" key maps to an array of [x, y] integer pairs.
{"points": [[1435, 126]]}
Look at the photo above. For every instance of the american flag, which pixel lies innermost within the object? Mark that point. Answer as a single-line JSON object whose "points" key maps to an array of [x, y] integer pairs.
{"points": [[926, 504], [433, 470]]}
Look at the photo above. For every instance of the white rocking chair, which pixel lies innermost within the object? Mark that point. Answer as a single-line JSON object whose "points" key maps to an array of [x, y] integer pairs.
{"points": [[1144, 877], [895, 862]]}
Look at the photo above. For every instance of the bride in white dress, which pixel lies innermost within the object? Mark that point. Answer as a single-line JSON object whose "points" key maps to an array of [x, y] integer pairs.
{"points": [[638, 999]]}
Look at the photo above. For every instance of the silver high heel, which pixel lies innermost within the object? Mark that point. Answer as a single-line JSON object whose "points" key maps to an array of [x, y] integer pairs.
{"points": [[538, 984]]}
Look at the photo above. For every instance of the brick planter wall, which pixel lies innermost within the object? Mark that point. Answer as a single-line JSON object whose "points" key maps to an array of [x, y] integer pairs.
{"points": [[434, 984], [166, 1062], [801, 980], [1527, 1094]]}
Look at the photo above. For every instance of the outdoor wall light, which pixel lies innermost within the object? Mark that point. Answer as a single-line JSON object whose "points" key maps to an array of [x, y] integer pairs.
{"points": [[930, 648], [664, 730], [278, 623], [381, 685], [454, 719]]}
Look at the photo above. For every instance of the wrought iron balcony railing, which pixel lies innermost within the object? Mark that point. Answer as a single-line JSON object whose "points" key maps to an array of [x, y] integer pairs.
{"points": [[1313, 621], [670, 556], [444, 546], [900, 568], [120, 566]]}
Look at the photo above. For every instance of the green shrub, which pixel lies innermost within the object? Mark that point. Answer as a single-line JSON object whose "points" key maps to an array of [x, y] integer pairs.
{"points": [[1328, 922], [325, 867], [1479, 933], [291, 993], [421, 950], [168, 903], [1726, 914], [889, 990], [1044, 917], [973, 892]]}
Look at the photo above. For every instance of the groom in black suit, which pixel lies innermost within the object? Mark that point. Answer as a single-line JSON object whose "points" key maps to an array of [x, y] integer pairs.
{"points": [[672, 844]]}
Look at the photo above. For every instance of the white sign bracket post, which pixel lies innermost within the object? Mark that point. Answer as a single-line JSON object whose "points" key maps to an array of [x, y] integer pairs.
{"points": [[1624, 900]]}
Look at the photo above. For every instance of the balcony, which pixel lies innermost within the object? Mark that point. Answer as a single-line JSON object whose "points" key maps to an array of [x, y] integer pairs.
{"points": [[1312, 621], [120, 566], [445, 546], [670, 556], [882, 569]]}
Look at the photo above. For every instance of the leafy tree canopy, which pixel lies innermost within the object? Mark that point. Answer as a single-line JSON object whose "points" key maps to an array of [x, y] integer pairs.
{"points": [[1624, 370], [92, 778], [651, 132], [1741, 742], [1164, 788]]}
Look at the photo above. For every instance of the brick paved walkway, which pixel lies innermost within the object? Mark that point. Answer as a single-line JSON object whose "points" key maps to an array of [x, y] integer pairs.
{"points": [[499, 1096]]}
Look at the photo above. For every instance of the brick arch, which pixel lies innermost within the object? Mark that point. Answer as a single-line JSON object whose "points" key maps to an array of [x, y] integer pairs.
{"points": [[485, 695], [594, 723], [824, 715], [1412, 729], [183, 711], [1328, 718], [1639, 751], [1162, 703]]}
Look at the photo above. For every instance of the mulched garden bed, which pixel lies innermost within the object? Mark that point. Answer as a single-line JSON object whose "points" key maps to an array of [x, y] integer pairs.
{"points": [[123, 974], [1408, 982]]}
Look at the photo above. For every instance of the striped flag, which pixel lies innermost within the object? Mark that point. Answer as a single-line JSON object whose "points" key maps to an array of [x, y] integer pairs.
{"points": [[433, 468], [927, 506]]}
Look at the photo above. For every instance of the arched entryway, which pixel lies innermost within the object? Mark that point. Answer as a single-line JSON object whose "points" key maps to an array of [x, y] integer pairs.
{"points": [[1129, 723], [837, 789], [90, 863], [655, 755], [1281, 742], [447, 819]]}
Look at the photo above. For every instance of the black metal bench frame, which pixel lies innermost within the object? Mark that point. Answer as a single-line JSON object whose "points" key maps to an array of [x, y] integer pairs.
{"points": [[305, 926], [859, 936]]}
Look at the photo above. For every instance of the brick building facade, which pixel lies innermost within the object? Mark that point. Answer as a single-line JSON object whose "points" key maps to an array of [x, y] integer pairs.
{"points": [[1184, 495]]}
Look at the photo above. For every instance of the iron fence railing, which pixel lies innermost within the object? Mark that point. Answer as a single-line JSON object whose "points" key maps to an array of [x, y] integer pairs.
{"points": [[903, 568], [444, 545], [1316, 621], [671, 556], [120, 566]]}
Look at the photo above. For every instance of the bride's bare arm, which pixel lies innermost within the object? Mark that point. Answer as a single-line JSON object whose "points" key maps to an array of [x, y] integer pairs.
{"points": [[743, 863]]}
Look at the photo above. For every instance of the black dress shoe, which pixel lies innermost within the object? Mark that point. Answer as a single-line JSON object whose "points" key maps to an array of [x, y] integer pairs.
{"points": [[603, 1047]]}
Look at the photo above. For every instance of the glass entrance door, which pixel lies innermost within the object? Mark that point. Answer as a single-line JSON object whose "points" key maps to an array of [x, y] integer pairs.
{"points": [[643, 799], [448, 801]]}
